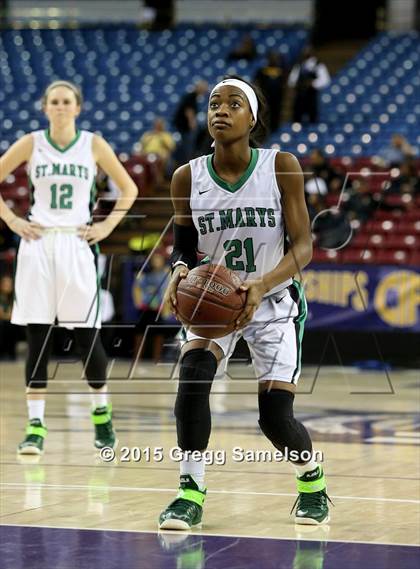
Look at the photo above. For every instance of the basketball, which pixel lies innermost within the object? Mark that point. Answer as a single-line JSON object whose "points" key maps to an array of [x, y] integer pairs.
{"points": [[209, 301]]}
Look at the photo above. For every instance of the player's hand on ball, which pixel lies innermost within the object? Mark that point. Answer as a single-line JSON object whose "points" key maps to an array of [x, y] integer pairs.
{"points": [[26, 229], [256, 289], [169, 299], [94, 233]]}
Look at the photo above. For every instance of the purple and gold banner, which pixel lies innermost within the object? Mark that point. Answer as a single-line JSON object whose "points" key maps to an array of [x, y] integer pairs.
{"points": [[360, 297]]}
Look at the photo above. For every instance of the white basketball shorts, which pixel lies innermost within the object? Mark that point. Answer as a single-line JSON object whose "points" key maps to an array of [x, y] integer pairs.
{"points": [[274, 336], [56, 278]]}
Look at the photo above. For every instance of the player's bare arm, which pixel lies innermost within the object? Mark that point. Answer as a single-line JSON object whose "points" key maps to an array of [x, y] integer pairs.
{"points": [[16, 155], [106, 158], [290, 181]]}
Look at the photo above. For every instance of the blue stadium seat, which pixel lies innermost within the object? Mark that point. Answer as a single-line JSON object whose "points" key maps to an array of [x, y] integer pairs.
{"points": [[144, 73], [388, 75]]}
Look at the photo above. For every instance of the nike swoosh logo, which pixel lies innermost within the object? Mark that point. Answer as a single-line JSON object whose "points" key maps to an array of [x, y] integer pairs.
{"points": [[204, 192]]}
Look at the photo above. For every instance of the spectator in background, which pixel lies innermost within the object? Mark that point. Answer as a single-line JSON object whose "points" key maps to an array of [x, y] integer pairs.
{"points": [[148, 291], [330, 226], [158, 141], [361, 202], [397, 151], [316, 204], [245, 50], [271, 78], [185, 121], [408, 181], [8, 335], [307, 78], [320, 167], [204, 141], [316, 185]]}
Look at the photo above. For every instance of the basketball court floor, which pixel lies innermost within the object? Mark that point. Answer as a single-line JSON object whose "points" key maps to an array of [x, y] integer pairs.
{"points": [[70, 509]]}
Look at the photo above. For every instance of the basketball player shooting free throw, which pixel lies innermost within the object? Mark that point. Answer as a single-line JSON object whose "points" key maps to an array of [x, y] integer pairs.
{"points": [[236, 206]]}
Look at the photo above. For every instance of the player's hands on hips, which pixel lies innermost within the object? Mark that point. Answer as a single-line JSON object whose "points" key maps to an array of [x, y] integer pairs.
{"points": [[26, 229], [94, 233], [256, 289], [169, 299]]}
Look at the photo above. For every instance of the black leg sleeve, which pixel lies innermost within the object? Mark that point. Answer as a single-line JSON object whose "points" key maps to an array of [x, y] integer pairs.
{"points": [[39, 338], [89, 344]]}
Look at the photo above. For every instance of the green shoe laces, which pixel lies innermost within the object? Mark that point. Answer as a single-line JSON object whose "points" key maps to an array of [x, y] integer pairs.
{"points": [[311, 500], [184, 508]]}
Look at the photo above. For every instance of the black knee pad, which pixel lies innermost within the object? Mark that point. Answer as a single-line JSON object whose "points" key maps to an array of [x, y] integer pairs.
{"points": [[279, 425], [192, 407], [89, 343], [39, 338]]}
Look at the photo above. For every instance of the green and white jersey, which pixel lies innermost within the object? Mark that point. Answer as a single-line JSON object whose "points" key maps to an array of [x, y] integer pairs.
{"points": [[63, 180], [240, 225]]}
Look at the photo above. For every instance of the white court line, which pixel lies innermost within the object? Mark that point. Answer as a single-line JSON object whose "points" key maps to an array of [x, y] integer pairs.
{"points": [[196, 532], [140, 489], [394, 440], [411, 434]]}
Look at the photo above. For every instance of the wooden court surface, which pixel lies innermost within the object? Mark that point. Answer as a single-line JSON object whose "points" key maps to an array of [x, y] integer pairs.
{"points": [[366, 423]]}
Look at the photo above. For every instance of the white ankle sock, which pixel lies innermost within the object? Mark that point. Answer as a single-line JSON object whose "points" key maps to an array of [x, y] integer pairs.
{"points": [[194, 468], [36, 409], [99, 398], [302, 469]]}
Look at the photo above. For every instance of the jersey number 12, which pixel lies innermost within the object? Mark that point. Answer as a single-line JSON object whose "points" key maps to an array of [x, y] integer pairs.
{"points": [[61, 197]]}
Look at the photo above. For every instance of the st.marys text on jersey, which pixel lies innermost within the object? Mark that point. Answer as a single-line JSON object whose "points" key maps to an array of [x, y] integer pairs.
{"points": [[236, 217], [62, 169], [240, 225]]}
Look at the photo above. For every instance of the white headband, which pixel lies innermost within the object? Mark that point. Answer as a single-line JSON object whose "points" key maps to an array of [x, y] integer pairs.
{"points": [[247, 89]]}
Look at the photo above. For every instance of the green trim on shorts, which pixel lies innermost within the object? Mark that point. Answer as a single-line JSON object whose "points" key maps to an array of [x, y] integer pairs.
{"points": [[31, 192], [92, 199], [205, 261], [299, 322], [15, 260], [98, 283], [96, 250]]}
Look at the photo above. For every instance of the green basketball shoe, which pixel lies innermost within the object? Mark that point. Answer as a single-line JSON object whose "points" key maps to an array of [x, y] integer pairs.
{"points": [[312, 503], [33, 443], [186, 510], [104, 431]]}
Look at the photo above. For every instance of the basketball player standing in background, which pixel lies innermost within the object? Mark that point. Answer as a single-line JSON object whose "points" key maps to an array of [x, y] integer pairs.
{"points": [[235, 206], [56, 275]]}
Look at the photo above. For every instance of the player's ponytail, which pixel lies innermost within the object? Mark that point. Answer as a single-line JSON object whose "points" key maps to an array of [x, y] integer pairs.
{"points": [[259, 133]]}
